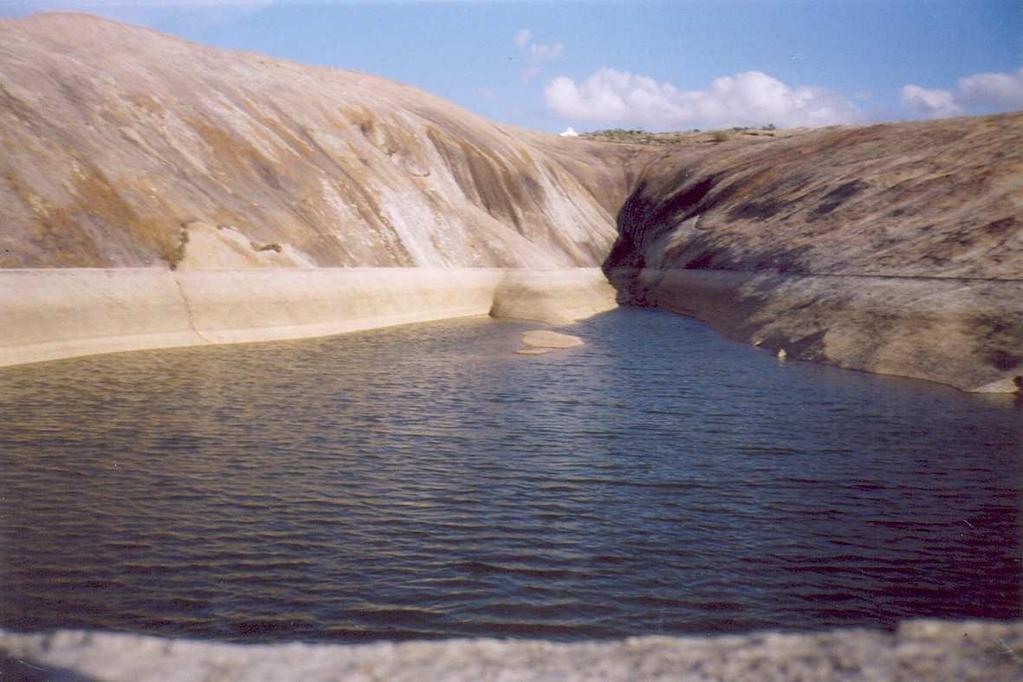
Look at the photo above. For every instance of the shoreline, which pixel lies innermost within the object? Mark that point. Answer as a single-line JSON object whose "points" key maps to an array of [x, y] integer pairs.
{"points": [[53, 314], [941, 330], [946, 330], [917, 649]]}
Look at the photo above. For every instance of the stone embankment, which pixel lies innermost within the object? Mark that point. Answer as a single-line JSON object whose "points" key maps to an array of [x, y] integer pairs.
{"points": [[919, 650]]}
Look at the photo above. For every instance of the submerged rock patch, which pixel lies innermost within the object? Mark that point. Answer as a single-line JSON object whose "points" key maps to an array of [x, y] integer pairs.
{"points": [[540, 341]]}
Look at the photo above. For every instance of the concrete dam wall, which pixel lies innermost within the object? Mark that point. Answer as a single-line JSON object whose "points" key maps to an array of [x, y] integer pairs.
{"points": [[59, 313]]}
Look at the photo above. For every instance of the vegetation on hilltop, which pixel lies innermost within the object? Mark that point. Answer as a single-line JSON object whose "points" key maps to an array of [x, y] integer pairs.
{"points": [[695, 136]]}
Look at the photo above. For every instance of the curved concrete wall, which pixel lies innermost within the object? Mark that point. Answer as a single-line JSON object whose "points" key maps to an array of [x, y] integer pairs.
{"points": [[60, 313]]}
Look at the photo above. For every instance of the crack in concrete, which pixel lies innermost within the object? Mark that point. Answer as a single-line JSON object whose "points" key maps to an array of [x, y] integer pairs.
{"points": [[188, 309]]}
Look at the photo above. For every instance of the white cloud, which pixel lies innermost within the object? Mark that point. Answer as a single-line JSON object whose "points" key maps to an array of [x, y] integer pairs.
{"points": [[536, 54], [749, 98], [981, 92], [930, 103], [995, 90], [544, 53], [521, 37]]}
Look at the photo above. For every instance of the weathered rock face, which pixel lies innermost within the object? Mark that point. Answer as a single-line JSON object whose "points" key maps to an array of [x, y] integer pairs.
{"points": [[941, 198], [122, 147], [894, 248]]}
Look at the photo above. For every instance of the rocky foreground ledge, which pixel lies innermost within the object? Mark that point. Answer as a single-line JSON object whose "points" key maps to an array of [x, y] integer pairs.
{"points": [[918, 650]]}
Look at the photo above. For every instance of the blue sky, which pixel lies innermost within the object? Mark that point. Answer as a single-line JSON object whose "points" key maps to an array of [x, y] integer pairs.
{"points": [[656, 65]]}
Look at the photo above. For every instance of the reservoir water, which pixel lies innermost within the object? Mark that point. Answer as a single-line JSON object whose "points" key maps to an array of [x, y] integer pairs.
{"points": [[425, 481]]}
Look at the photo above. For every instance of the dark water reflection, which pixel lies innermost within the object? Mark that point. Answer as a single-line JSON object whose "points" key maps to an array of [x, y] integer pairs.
{"points": [[424, 481]]}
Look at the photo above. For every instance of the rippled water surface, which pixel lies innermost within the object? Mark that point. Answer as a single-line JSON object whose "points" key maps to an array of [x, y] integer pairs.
{"points": [[424, 481]]}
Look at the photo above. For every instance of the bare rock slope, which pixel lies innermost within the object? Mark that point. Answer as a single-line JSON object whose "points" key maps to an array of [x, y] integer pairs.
{"points": [[894, 248], [123, 147], [158, 193]]}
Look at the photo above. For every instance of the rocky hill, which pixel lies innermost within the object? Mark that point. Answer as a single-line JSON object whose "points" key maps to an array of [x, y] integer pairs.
{"points": [[938, 198], [125, 147], [894, 248]]}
